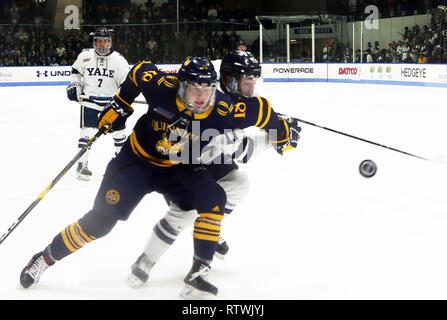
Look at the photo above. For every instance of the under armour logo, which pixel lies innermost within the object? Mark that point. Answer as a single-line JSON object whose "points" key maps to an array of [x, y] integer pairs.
{"points": [[45, 73]]}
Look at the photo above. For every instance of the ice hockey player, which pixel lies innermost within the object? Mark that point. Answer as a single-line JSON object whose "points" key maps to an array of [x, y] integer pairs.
{"points": [[97, 74], [239, 73], [159, 156]]}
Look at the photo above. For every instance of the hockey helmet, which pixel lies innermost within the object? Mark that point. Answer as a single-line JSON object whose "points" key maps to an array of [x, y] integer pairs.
{"points": [[105, 34], [197, 88], [235, 66]]}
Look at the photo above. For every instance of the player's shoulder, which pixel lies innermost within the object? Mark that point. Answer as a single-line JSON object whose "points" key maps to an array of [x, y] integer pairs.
{"points": [[85, 54], [252, 102], [144, 65], [145, 72], [118, 56], [224, 103]]}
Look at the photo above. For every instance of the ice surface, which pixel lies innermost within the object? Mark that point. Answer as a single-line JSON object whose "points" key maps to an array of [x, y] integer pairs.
{"points": [[311, 228]]}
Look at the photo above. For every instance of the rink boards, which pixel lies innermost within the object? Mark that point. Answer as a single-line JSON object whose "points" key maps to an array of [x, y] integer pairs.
{"points": [[434, 75]]}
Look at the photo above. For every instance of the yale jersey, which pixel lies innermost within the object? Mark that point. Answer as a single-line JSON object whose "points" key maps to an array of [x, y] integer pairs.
{"points": [[100, 76], [169, 133]]}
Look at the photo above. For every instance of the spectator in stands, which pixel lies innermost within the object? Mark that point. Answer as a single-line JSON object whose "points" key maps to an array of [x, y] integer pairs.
{"points": [[369, 57], [14, 13], [60, 50], [212, 13], [422, 58], [347, 57], [151, 45]]}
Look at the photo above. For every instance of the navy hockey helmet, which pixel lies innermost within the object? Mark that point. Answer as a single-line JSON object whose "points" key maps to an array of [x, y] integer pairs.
{"points": [[104, 34], [199, 70], [235, 66], [197, 88]]}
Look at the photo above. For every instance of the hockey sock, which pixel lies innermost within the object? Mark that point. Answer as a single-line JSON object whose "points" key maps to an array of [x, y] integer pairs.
{"points": [[206, 234], [91, 226]]}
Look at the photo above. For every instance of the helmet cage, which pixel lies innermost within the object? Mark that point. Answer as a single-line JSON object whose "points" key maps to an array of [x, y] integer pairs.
{"points": [[101, 50], [184, 92]]}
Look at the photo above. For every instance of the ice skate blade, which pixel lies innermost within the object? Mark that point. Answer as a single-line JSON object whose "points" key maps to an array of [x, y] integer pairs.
{"points": [[82, 177], [191, 293], [134, 282]]}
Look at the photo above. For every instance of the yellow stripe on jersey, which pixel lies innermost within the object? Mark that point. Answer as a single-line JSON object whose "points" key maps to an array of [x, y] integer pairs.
{"points": [[261, 107], [125, 102], [269, 113], [286, 130], [223, 108], [132, 76], [182, 107], [142, 154]]}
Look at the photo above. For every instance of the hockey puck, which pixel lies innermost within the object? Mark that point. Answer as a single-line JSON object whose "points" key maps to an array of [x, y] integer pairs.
{"points": [[367, 168]]}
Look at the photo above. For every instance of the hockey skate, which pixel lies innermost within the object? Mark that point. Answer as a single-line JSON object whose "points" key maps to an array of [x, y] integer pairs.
{"points": [[84, 173], [30, 275], [139, 273], [196, 282], [221, 249]]}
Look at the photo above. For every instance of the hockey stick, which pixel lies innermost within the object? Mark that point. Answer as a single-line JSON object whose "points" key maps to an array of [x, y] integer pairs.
{"points": [[53, 183], [105, 99], [361, 139]]}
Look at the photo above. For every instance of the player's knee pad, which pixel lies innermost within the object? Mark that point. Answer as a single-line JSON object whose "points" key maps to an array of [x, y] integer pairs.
{"points": [[96, 224], [236, 186], [212, 198], [178, 218], [175, 220]]}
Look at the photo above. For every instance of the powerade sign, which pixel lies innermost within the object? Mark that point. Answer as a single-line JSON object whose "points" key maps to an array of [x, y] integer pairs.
{"points": [[293, 70], [53, 73]]}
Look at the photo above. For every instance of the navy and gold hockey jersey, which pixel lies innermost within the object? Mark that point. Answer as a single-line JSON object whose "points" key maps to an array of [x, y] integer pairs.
{"points": [[151, 139]]}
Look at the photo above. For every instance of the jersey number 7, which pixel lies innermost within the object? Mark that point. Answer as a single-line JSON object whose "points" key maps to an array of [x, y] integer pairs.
{"points": [[100, 82]]}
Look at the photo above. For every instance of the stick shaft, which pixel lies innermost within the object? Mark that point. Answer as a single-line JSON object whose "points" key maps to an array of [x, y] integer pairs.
{"points": [[92, 99], [52, 184], [361, 139]]}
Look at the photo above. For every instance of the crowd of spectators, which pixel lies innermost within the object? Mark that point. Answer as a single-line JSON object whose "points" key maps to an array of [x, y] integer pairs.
{"points": [[355, 9], [206, 33], [123, 11], [417, 45]]}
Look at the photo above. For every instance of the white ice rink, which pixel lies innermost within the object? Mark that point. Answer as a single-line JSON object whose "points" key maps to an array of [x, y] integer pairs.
{"points": [[311, 228]]}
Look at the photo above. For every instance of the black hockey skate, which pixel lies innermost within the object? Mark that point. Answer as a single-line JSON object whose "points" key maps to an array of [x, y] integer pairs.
{"points": [[196, 282], [139, 273], [221, 248], [30, 275], [84, 173]]}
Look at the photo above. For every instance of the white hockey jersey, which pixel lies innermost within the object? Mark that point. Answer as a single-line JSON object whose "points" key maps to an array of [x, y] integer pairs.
{"points": [[100, 76]]}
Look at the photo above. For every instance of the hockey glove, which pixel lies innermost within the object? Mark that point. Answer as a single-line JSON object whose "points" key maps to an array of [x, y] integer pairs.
{"points": [[290, 134], [114, 115], [74, 90]]}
